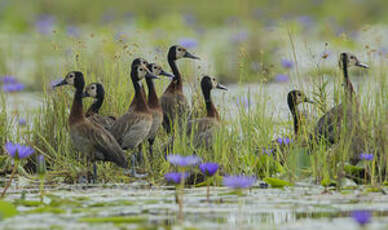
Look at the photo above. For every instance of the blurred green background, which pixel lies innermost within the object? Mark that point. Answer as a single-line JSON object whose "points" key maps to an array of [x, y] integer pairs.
{"points": [[21, 15]]}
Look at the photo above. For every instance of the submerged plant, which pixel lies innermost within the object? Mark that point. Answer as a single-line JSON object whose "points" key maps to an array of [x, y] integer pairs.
{"points": [[17, 152], [209, 169], [362, 217]]}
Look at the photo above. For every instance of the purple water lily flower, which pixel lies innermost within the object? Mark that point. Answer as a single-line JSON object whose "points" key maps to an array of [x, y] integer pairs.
{"points": [[14, 87], [284, 140], [73, 31], [286, 63], [209, 168], [239, 181], [18, 151], [366, 156], [22, 122], [281, 78], [183, 161], [175, 177], [7, 79], [45, 24], [362, 217], [188, 43]]}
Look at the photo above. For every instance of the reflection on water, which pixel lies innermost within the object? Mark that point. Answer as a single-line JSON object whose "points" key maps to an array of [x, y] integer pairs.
{"points": [[291, 208]]}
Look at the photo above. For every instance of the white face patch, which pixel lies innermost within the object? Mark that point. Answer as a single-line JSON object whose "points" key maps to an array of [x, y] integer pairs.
{"points": [[180, 52], [70, 78], [92, 90], [141, 72], [214, 83], [156, 70]]}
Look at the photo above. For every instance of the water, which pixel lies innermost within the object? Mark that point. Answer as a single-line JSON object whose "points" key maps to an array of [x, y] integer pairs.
{"points": [[302, 206]]}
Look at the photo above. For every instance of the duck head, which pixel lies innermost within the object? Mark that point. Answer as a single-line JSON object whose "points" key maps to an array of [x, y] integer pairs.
{"points": [[139, 72], [297, 97], [74, 78], [139, 61], [177, 52], [351, 60], [208, 83], [94, 90], [158, 71]]}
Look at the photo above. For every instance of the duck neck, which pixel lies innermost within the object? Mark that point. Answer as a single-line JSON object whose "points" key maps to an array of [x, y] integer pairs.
{"points": [[347, 83], [176, 83], [95, 107], [295, 115], [153, 100], [139, 101], [210, 108], [76, 113]]}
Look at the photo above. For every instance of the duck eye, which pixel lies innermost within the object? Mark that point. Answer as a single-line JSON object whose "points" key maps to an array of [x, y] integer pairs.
{"points": [[351, 57], [155, 67], [141, 69], [179, 49], [92, 88]]}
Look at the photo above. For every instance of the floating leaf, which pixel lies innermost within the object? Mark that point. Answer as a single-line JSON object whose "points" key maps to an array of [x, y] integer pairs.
{"points": [[276, 183], [47, 209], [114, 219], [7, 210]]}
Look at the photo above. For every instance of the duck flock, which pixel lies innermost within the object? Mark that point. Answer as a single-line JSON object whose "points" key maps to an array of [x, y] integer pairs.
{"points": [[106, 138]]}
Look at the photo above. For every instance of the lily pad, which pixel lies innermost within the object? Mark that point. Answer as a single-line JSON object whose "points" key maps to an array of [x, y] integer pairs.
{"points": [[114, 219], [276, 183], [47, 209], [7, 210]]}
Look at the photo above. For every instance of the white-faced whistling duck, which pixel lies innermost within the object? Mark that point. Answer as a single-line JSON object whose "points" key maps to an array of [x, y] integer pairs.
{"points": [[329, 125], [96, 91], [154, 104], [88, 137], [294, 98], [203, 128], [133, 127], [173, 101], [136, 62]]}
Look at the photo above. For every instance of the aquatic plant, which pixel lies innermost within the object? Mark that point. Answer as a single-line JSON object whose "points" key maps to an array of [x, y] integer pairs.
{"points": [[13, 87], [22, 122], [366, 156], [17, 152], [8, 79], [239, 181], [45, 24], [281, 78], [209, 169], [362, 217], [287, 64], [284, 140], [41, 170], [175, 177], [183, 161]]}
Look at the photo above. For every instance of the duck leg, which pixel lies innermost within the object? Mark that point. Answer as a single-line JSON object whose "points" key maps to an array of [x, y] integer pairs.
{"points": [[140, 154], [94, 172], [151, 143], [132, 171]]}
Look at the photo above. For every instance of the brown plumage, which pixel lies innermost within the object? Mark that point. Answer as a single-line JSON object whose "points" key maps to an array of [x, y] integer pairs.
{"points": [[88, 137], [154, 104], [173, 101], [96, 91], [329, 126], [203, 129], [133, 127]]}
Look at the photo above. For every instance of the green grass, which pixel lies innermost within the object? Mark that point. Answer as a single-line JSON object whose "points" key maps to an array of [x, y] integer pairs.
{"points": [[238, 144]]}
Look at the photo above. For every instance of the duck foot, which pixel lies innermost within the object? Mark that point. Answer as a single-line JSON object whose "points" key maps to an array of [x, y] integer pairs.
{"points": [[132, 171]]}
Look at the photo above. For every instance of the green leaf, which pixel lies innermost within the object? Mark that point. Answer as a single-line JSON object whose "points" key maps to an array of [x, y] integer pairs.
{"points": [[276, 183], [114, 219], [7, 210]]}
